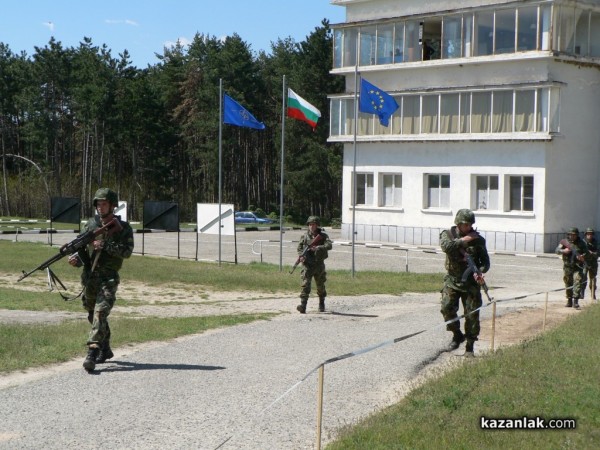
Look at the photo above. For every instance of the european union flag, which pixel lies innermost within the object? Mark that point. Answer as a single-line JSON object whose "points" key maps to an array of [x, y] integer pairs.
{"points": [[236, 114], [376, 101]]}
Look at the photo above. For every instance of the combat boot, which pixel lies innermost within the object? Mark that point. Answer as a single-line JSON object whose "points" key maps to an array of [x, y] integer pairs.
{"points": [[593, 289], [104, 353], [457, 339], [302, 306], [321, 304], [576, 303], [469, 349], [569, 303], [89, 363]]}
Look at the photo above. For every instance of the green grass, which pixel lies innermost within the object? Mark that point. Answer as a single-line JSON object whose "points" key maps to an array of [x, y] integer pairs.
{"points": [[552, 376], [33, 345], [25, 346], [245, 277]]}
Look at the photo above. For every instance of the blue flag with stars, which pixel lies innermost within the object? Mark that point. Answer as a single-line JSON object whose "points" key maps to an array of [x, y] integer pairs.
{"points": [[236, 114], [376, 101]]}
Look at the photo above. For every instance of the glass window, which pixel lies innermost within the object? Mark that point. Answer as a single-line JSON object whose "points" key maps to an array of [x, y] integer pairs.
{"points": [[502, 111], [350, 40], [595, 34], [364, 188], [467, 35], [365, 124], [545, 23], [392, 190], [412, 45], [486, 193], [399, 43], [347, 114], [449, 110], [582, 30], [438, 191], [527, 28], [451, 37], [524, 110], [521, 193], [338, 40], [430, 115], [335, 122], [484, 33], [566, 31], [465, 112], [505, 31], [481, 111], [385, 44], [410, 114], [368, 45]]}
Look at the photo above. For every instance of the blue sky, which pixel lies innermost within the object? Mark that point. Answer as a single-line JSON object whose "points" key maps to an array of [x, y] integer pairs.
{"points": [[144, 27]]}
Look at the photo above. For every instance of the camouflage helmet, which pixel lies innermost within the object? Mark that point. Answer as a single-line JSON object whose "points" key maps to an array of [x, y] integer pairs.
{"points": [[573, 230], [590, 230], [464, 216], [106, 194], [313, 219]]}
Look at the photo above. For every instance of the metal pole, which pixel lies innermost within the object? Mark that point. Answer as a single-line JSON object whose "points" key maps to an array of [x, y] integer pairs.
{"points": [[354, 159], [220, 156], [281, 177], [320, 405]]}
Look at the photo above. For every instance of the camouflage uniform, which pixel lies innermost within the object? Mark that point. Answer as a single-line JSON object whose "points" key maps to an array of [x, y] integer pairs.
{"points": [[573, 270], [100, 286], [314, 265], [469, 291], [591, 260], [100, 276]]}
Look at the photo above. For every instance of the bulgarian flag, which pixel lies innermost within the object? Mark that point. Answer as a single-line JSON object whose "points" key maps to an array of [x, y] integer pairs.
{"points": [[300, 109]]}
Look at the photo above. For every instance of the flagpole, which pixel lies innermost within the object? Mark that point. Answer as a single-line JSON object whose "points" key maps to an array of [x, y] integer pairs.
{"points": [[220, 155], [354, 159], [281, 186]]}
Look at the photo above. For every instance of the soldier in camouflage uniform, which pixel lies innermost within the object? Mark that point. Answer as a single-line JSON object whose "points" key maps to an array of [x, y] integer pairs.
{"points": [[314, 263], [573, 251], [101, 263], [591, 259], [459, 240]]}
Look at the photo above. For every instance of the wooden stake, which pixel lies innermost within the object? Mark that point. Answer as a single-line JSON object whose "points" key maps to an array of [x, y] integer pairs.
{"points": [[320, 405], [545, 313], [493, 325]]}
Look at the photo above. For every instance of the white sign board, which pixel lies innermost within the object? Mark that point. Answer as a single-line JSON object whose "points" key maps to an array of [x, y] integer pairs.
{"points": [[208, 219], [121, 210]]}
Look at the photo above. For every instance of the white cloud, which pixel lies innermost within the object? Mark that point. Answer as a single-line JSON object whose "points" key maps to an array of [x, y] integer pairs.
{"points": [[50, 25], [121, 21]]}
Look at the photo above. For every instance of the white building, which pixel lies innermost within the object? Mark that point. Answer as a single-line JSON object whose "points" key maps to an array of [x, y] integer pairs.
{"points": [[499, 112]]}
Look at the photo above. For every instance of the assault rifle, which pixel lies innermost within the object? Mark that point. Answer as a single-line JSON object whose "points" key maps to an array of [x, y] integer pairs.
{"points": [[472, 269], [74, 246], [314, 243], [574, 253]]}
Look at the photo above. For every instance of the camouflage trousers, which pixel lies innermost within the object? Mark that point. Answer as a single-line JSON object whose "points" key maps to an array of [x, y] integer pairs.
{"points": [[316, 271], [575, 282], [99, 296], [592, 272], [471, 300]]}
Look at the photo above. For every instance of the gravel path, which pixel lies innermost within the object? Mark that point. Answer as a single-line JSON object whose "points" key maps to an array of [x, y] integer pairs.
{"points": [[199, 391]]}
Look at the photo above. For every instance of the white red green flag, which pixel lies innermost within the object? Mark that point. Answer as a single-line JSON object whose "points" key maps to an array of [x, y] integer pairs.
{"points": [[300, 109]]}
